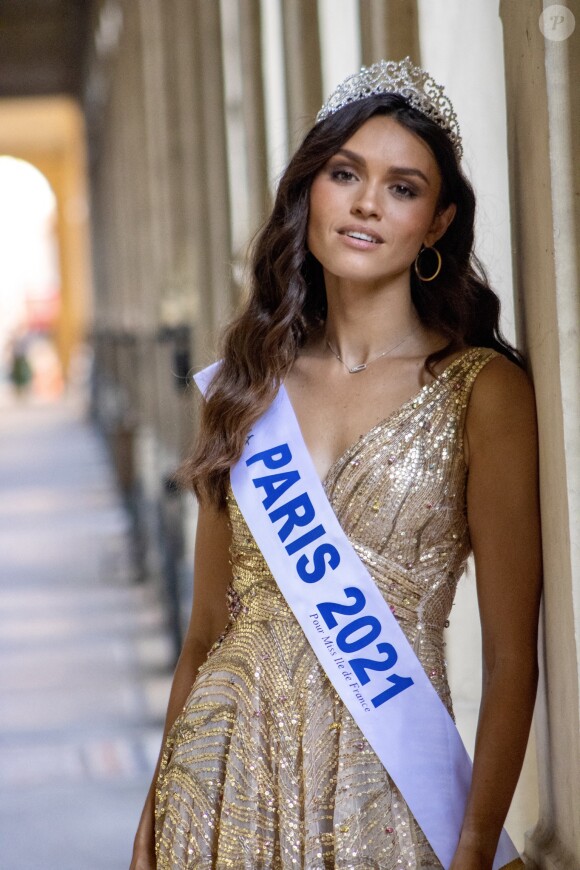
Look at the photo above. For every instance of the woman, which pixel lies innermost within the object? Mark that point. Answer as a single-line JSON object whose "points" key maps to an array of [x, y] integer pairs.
{"points": [[369, 315]]}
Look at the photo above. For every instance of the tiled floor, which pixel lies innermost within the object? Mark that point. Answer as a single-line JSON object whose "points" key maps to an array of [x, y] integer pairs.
{"points": [[84, 657]]}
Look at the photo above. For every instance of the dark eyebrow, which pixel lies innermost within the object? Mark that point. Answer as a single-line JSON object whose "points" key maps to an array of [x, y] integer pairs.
{"points": [[393, 170]]}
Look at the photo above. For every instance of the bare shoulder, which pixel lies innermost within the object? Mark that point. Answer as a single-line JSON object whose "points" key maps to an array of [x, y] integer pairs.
{"points": [[501, 406], [499, 386]]}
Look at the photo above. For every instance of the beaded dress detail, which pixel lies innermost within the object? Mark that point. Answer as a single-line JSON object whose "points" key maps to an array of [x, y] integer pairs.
{"points": [[265, 767]]}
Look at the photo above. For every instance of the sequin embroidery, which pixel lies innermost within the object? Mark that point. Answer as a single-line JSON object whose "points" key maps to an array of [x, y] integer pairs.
{"points": [[265, 768]]}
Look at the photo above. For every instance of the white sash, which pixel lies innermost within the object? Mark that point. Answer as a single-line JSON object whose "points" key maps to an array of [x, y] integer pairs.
{"points": [[351, 628]]}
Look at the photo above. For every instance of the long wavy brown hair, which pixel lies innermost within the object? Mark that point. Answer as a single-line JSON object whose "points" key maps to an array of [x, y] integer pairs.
{"points": [[286, 297]]}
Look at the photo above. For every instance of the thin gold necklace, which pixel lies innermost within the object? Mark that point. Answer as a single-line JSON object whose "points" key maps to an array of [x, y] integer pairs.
{"points": [[362, 366]]}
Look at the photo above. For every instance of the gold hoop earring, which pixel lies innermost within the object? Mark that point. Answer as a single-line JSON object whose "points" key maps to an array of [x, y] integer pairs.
{"points": [[439, 262]]}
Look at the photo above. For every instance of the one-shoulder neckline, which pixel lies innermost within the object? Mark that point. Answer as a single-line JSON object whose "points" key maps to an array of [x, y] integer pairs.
{"points": [[441, 378]]}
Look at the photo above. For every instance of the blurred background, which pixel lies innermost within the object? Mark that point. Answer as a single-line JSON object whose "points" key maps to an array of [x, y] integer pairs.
{"points": [[140, 145]]}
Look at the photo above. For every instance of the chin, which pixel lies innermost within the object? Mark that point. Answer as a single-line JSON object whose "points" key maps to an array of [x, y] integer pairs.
{"points": [[358, 275]]}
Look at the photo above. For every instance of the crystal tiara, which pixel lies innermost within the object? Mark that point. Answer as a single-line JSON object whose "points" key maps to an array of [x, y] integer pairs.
{"points": [[398, 77]]}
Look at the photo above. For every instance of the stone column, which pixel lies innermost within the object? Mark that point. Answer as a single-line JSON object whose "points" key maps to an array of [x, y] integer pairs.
{"points": [[302, 66], [472, 72], [389, 30], [543, 135], [168, 193], [254, 112], [214, 226], [138, 155], [191, 247], [125, 132], [245, 125], [152, 93]]}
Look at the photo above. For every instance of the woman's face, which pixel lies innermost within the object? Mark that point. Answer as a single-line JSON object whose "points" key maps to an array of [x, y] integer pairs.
{"points": [[374, 203]]}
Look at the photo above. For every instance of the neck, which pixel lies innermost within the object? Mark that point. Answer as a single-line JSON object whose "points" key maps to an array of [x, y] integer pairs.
{"points": [[362, 322]]}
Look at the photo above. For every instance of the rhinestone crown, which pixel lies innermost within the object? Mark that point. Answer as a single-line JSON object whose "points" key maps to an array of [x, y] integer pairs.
{"points": [[398, 77]]}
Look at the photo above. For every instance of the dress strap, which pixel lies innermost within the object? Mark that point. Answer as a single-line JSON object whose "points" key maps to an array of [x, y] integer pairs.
{"points": [[469, 366], [466, 371], [463, 378]]}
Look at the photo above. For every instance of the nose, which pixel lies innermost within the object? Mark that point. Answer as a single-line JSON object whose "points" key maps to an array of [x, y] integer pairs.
{"points": [[367, 202]]}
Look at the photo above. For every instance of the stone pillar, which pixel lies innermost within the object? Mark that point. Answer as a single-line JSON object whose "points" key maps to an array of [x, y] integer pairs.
{"points": [[214, 227], [389, 30], [245, 125], [129, 172], [274, 85], [127, 190], [472, 72], [152, 93], [302, 66], [340, 41], [543, 135], [188, 310], [192, 265], [254, 112], [161, 64]]}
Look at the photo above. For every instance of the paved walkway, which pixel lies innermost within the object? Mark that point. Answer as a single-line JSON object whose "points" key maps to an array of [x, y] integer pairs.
{"points": [[84, 657]]}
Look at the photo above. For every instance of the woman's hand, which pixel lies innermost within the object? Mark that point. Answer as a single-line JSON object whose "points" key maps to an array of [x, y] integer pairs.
{"points": [[470, 858], [142, 861], [143, 853], [144, 843]]}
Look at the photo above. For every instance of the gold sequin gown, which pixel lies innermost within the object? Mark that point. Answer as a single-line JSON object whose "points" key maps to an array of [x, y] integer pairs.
{"points": [[265, 767]]}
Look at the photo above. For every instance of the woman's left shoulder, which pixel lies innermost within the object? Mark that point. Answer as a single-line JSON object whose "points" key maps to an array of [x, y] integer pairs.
{"points": [[502, 396]]}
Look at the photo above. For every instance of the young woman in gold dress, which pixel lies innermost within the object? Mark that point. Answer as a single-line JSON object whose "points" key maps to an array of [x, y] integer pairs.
{"points": [[368, 304]]}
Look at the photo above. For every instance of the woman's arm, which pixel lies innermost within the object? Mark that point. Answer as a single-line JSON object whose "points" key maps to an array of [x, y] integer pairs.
{"points": [[209, 617], [504, 525]]}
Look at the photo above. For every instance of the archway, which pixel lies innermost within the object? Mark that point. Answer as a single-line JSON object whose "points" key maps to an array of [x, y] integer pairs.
{"points": [[29, 280], [49, 134]]}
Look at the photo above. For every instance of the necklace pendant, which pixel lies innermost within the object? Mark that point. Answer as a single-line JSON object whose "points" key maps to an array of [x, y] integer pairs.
{"points": [[361, 367]]}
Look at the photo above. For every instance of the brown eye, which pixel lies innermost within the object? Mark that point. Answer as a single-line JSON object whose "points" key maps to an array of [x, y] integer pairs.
{"points": [[342, 175], [404, 191]]}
